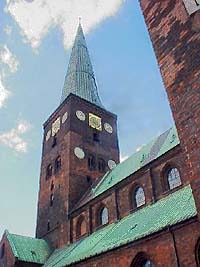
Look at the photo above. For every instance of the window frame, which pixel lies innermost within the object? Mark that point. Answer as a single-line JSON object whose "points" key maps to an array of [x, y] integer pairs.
{"points": [[100, 220], [165, 177], [79, 223], [58, 164], [133, 192], [101, 162], [92, 166], [49, 171], [140, 259]]}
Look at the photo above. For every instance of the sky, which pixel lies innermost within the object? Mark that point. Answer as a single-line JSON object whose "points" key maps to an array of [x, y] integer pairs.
{"points": [[35, 44]]}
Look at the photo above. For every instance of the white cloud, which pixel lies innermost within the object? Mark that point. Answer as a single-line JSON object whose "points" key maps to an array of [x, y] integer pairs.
{"points": [[8, 30], [4, 93], [36, 17], [13, 137], [9, 59]]}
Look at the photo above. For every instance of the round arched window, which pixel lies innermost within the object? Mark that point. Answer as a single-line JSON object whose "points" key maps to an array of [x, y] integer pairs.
{"points": [[103, 216], [173, 178], [139, 197], [147, 263], [81, 227], [141, 260]]}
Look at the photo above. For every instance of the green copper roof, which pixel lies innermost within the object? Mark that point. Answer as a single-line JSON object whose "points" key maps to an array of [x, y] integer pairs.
{"points": [[28, 249], [80, 79], [170, 210], [145, 155]]}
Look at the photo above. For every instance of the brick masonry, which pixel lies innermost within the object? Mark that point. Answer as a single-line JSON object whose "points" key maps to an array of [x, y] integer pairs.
{"points": [[175, 37]]}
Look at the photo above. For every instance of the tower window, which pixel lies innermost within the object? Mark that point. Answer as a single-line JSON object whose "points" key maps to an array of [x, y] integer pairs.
{"points": [[139, 197], [173, 178], [91, 162], [54, 143], [48, 225], [103, 216], [49, 171], [51, 200], [101, 165], [52, 186], [2, 251], [96, 137], [89, 180], [57, 164]]}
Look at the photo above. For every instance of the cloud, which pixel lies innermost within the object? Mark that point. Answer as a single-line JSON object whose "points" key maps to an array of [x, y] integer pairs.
{"points": [[9, 59], [8, 30], [4, 93], [36, 17], [13, 137]]}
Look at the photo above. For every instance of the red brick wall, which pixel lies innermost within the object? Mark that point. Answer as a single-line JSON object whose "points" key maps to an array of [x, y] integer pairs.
{"points": [[176, 37], [150, 178], [71, 181], [159, 248]]}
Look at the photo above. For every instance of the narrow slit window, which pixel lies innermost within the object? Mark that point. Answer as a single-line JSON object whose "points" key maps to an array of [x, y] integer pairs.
{"points": [[103, 216], [139, 197]]}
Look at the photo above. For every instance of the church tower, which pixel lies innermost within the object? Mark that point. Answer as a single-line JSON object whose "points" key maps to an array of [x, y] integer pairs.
{"points": [[80, 145]]}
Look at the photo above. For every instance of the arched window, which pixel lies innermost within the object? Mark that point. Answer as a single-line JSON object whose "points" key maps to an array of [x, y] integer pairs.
{"points": [[52, 186], [51, 200], [91, 162], [173, 178], [2, 251], [48, 225], [139, 197], [197, 252], [81, 227], [54, 143], [101, 165], [49, 171], [141, 260], [103, 216], [58, 164]]}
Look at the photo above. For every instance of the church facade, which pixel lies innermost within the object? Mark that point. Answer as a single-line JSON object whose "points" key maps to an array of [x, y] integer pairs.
{"points": [[94, 211]]}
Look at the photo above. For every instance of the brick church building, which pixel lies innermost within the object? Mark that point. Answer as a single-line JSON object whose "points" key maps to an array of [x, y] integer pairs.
{"points": [[96, 212]]}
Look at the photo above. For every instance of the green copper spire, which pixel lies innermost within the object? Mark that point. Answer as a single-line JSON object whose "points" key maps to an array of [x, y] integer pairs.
{"points": [[80, 79]]}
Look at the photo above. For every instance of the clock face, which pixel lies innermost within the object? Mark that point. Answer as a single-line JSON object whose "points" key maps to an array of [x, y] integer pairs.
{"points": [[48, 135], [111, 164], [80, 115], [79, 153], [55, 126], [192, 6], [108, 128], [64, 117], [95, 122]]}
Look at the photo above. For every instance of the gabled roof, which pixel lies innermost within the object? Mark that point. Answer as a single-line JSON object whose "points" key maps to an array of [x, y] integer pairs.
{"points": [[80, 79], [170, 210], [153, 150], [28, 249]]}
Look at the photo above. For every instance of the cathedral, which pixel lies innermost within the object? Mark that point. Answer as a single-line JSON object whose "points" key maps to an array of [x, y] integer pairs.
{"points": [[94, 211]]}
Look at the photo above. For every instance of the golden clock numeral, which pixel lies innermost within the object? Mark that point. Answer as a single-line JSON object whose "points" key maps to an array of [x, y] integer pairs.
{"points": [[95, 122]]}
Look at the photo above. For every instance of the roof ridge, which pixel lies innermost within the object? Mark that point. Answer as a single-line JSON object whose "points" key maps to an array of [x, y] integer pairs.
{"points": [[12, 244], [131, 228]]}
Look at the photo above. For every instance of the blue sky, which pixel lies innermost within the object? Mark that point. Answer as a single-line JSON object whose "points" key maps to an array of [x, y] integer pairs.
{"points": [[33, 65]]}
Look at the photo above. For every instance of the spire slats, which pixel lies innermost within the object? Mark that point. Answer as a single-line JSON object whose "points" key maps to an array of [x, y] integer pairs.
{"points": [[80, 79]]}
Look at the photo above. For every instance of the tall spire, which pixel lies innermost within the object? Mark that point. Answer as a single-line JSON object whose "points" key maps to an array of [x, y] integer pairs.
{"points": [[80, 79]]}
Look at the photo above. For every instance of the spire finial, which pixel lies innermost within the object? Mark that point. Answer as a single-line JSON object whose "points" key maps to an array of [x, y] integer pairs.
{"points": [[79, 20]]}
